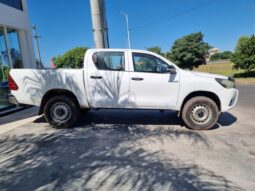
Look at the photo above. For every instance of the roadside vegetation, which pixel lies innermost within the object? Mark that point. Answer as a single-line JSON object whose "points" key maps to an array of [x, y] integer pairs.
{"points": [[71, 59]]}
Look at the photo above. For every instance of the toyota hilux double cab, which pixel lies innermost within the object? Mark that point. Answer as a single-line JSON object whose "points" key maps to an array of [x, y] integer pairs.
{"points": [[124, 79]]}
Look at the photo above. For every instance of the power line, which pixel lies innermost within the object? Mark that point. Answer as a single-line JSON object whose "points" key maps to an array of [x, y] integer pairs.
{"points": [[173, 16]]}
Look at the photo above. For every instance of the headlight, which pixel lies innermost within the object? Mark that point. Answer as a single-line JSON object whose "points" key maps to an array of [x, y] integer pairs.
{"points": [[230, 83]]}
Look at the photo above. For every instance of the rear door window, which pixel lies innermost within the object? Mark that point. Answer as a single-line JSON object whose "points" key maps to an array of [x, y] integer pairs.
{"points": [[109, 60]]}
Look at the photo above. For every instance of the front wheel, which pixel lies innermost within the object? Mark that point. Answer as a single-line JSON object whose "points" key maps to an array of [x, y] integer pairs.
{"points": [[200, 113], [62, 111]]}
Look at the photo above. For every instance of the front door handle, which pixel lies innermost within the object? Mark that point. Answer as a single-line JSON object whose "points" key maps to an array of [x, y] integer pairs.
{"points": [[96, 77], [137, 79]]}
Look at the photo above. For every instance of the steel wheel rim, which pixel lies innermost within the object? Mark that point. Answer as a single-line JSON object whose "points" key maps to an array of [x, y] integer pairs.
{"points": [[60, 112], [201, 114]]}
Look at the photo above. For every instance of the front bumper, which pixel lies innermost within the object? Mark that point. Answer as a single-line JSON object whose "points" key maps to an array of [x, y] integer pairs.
{"points": [[229, 99]]}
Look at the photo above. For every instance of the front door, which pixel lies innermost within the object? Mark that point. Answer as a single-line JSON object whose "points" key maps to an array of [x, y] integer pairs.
{"points": [[151, 85], [108, 81]]}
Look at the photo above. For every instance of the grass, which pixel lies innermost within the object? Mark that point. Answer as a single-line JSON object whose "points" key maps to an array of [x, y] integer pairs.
{"points": [[226, 69]]}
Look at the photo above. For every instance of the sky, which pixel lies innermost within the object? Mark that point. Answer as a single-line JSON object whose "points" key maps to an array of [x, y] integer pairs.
{"points": [[66, 24]]}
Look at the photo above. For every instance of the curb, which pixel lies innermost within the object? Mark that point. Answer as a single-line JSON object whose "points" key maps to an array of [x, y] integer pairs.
{"points": [[13, 125], [10, 110], [244, 83], [7, 108]]}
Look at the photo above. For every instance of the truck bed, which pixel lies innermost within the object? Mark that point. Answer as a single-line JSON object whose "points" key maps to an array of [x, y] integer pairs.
{"points": [[34, 84]]}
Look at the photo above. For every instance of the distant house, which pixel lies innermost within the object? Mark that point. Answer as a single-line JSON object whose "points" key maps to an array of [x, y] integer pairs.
{"points": [[16, 46], [213, 51]]}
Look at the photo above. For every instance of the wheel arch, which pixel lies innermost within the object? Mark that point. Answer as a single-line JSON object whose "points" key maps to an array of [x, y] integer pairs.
{"points": [[208, 94], [55, 92]]}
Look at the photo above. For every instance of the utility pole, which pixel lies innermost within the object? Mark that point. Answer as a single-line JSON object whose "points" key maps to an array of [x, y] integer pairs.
{"points": [[100, 29], [39, 65], [128, 29]]}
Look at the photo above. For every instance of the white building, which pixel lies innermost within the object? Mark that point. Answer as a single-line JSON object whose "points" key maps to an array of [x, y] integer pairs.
{"points": [[213, 51], [16, 46]]}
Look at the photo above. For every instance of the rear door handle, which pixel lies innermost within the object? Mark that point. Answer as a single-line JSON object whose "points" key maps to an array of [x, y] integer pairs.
{"points": [[96, 77], [137, 79]]}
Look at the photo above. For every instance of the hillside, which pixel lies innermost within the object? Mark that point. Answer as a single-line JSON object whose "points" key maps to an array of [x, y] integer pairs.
{"points": [[227, 70]]}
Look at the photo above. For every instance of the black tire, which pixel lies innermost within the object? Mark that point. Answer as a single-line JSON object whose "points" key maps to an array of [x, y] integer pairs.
{"points": [[62, 111], [200, 113]]}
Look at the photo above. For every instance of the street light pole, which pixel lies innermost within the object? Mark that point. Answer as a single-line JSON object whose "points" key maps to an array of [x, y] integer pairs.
{"points": [[254, 21], [128, 29], [38, 48]]}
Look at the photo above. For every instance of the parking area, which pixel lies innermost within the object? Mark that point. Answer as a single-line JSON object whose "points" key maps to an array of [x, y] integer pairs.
{"points": [[132, 150]]}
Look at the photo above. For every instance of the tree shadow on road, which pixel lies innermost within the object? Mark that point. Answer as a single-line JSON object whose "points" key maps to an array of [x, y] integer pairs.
{"points": [[101, 157]]}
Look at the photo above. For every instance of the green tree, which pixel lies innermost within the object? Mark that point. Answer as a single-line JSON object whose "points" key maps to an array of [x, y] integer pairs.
{"points": [[73, 58], [157, 50], [227, 55], [189, 51], [244, 56], [242, 40]]}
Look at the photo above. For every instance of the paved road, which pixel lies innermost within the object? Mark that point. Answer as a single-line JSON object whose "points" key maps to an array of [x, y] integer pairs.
{"points": [[125, 150]]}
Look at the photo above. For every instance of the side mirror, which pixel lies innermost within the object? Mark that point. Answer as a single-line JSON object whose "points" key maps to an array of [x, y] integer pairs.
{"points": [[171, 70]]}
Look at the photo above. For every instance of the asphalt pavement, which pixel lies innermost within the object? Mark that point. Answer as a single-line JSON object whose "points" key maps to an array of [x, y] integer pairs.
{"points": [[133, 150]]}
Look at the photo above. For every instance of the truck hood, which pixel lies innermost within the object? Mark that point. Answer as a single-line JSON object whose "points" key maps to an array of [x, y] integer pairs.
{"points": [[208, 75]]}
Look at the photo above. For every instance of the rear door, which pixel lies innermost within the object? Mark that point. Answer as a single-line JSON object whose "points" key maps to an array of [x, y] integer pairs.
{"points": [[151, 85], [107, 79]]}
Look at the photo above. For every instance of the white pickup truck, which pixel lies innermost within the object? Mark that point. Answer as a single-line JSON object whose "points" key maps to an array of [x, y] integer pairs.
{"points": [[124, 79]]}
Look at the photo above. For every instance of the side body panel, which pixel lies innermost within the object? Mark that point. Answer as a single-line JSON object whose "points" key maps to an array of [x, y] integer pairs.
{"points": [[34, 84]]}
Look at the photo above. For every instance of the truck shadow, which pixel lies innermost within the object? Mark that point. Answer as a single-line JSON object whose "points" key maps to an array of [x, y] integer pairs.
{"points": [[130, 117], [225, 120], [145, 117], [140, 117]]}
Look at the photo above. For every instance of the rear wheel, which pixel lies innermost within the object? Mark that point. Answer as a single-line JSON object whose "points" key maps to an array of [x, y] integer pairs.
{"points": [[62, 111], [200, 113]]}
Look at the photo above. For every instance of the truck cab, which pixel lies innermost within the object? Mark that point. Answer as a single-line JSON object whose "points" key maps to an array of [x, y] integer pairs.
{"points": [[130, 79]]}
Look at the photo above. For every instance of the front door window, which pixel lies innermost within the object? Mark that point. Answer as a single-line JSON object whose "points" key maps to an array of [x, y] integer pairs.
{"points": [[148, 63]]}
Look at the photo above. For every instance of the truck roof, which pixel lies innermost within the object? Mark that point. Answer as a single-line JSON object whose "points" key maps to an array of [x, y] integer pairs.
{"points": [[120, 49]]}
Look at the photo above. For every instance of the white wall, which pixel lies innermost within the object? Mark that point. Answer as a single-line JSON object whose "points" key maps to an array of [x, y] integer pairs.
{"points": [[19, 20]]}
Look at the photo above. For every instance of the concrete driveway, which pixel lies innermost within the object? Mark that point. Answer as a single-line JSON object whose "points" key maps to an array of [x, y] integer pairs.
{"points": [[133, 150]]}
